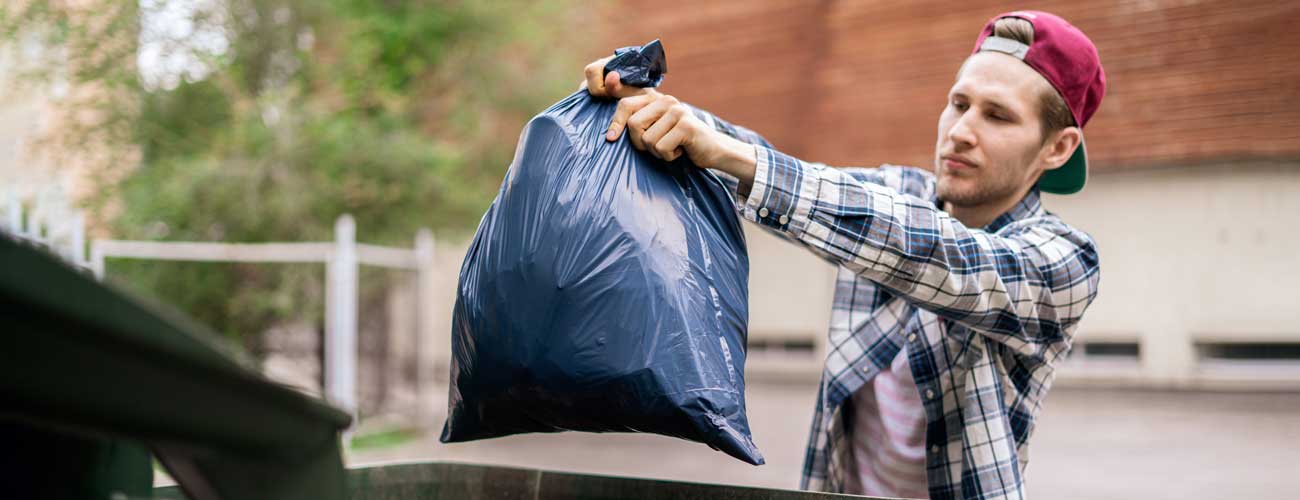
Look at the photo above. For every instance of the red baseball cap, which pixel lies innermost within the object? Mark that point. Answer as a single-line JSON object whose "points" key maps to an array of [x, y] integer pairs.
{"points": [[1069, 61]]}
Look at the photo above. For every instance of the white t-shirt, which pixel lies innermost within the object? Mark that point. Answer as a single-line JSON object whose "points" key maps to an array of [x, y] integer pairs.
{"points": [[889, 435]]}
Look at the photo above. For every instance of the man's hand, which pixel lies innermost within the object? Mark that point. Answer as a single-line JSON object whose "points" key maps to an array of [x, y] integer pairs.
{"points": [[664, 127], [598, 84], [661, 125]]}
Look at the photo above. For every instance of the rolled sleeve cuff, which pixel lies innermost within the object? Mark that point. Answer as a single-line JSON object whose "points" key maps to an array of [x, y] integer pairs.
{"points": [[783, 193]]}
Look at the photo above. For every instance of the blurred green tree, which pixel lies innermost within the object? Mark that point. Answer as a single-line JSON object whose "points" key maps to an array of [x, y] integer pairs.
{"points": [[264, 120]]}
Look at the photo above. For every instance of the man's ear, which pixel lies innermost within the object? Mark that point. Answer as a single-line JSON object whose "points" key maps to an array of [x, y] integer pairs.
{"points": [[1060, 146]]}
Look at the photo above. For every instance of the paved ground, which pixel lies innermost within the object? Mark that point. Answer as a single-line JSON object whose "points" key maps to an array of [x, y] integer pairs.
{"points": [[1090, 444]]}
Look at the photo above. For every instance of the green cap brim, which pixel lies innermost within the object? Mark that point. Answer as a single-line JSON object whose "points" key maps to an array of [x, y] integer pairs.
{"points": [[1070, 177]]}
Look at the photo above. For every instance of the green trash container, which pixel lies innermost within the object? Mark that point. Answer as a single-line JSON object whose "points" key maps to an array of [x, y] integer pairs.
{"points": [[444, 480], [90, 377], [448, 480], [48, 463]]}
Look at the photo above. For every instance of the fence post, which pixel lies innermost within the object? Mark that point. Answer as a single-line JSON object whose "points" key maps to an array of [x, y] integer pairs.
{"points": [[427, 349], [97, 259], [76, 250], [33, 231], [341, 311], [15, 214]]}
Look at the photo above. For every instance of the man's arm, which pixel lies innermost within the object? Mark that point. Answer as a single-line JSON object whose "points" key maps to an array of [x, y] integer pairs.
{"points": [[737, 132], [1023, 288], [907, 180]]}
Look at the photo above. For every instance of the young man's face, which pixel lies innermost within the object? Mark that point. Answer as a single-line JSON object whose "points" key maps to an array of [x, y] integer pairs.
{"points": [[990, 135]]}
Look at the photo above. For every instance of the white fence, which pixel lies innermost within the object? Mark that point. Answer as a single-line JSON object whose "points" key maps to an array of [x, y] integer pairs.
{"points": [[342, 258], [50, 223]]}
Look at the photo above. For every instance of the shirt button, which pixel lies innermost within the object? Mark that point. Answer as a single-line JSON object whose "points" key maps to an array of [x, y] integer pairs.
{"points": [[762, 212], [911, 338], [785, 219], [934, 448], [929, 394]]}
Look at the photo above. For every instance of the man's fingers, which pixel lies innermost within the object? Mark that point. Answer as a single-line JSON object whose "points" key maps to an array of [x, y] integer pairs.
{"points": [[594, 85], [595, 73], [615, 88], [659, 129], [641, 120], [599, 84], [673, 144], [613, 83], [626, 107]]}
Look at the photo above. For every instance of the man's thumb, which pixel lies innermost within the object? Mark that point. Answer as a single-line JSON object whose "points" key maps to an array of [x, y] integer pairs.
{"points": [[614, 84]]}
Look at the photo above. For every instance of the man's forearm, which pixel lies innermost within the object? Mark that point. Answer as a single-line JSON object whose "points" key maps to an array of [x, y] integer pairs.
{"points": [[737, 159]]}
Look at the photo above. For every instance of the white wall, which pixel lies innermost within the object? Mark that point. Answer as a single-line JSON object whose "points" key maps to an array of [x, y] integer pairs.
{"points": [[1205, 253]]}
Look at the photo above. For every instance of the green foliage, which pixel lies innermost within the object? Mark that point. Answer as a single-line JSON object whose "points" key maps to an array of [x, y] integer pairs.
{"points": [[386, 438], [401, 113]]}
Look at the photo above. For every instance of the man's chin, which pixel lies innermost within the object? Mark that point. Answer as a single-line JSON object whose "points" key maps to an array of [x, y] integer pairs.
{"points": [[955, 189]]}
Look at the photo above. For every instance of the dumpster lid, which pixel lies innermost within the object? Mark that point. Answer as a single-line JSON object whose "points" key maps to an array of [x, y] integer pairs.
{"points": [[88, 358]]}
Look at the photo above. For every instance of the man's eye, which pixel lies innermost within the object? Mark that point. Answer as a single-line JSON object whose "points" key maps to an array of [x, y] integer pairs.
{"points": [[1000, 118], [959, 106]]}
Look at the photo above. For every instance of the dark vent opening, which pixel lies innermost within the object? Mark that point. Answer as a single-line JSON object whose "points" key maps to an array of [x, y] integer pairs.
{"points": [[780, 345], [1249, 351], [1117, 349]]}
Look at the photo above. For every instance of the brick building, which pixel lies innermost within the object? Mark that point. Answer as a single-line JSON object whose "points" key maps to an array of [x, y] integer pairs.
{"points": [[861, 83]]}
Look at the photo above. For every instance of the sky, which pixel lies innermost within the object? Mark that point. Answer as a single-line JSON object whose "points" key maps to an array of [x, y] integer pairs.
{"points": [[177, 38]]}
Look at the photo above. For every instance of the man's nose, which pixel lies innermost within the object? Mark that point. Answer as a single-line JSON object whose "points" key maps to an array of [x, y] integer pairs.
{"points": [[962, 133]]}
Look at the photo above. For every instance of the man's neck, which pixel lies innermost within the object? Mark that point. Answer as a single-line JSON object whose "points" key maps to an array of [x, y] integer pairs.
{"points": [[978, 216]]}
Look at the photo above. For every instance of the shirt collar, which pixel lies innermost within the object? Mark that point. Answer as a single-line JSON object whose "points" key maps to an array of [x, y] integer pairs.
{"points": [[1029, 206]]}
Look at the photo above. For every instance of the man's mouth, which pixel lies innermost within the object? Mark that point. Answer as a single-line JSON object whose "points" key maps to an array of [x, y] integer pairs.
{"points": [[955, 162]]}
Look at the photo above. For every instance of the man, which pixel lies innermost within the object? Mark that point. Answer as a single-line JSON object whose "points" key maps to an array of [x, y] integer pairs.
{"points": [[957, 293]]}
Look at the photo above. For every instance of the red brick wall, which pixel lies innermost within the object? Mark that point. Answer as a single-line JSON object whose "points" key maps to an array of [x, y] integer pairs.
{"points": [[862, 82]]}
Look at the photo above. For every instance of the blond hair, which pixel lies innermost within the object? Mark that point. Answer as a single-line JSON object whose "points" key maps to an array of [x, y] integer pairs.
{"points": [[1054, 113]]}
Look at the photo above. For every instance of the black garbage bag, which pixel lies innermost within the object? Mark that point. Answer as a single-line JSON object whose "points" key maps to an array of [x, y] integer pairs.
{"points": [[605, 290]]}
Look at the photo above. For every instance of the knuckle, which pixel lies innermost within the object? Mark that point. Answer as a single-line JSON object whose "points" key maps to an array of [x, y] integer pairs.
{"points": [[692, 123]]}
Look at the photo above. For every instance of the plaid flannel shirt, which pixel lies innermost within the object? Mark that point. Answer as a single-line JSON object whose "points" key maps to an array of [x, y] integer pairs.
{"points": [[985, 313]]}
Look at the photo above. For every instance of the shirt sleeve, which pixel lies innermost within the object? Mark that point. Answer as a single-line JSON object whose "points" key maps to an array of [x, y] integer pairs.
{"points": [[1024, 286], [909, 180]]}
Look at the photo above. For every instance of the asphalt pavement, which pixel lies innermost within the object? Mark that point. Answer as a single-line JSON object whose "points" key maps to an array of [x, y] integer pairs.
{"points": [[1090, 444]]}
